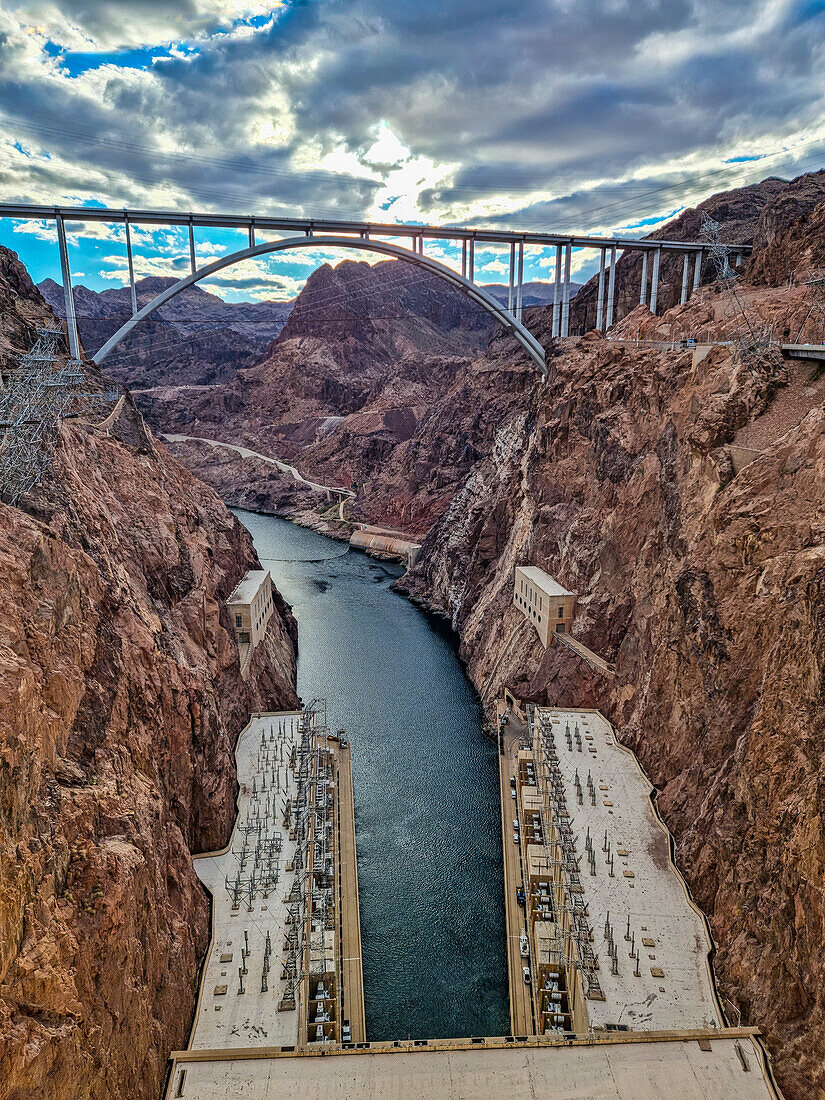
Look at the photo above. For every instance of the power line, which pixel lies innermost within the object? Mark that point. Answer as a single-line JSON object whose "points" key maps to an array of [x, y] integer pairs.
{"points": [[246, 167]]}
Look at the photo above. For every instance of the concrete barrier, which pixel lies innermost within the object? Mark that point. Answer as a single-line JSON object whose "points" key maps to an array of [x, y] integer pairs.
{"points": [[388, 546]]}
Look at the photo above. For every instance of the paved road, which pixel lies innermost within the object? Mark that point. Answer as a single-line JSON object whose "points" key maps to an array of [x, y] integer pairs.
{"points": [[245, 452], [521, 1002]]}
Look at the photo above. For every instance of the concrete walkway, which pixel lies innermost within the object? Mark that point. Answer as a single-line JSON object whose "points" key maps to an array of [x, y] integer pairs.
{"points": [[352, 993], [705, 1066], [521, 1000]]}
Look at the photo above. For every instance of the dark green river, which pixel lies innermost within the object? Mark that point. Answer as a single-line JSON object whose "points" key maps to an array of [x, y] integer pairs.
{"points": [[426, 787]]}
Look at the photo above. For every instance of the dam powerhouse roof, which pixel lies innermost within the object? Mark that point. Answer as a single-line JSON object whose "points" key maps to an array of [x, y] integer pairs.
{"points": [[543, 581], [248, 587], [633, 892]]}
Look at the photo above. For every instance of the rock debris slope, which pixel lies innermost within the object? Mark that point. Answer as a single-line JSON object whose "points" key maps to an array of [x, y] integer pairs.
{"points": [[120, 700]]}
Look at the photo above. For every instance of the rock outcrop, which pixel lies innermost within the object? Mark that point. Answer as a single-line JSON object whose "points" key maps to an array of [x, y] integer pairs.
{"points": [[700, 576], [120, 701], [737, 212], [704, 587], [195, 339]]}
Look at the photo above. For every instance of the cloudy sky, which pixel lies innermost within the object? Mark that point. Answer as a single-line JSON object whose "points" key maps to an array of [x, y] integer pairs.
{"points": [[586, 115]]}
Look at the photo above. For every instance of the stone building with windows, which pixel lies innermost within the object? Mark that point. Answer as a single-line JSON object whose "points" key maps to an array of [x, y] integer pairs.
{"points": [[251, 606], [544, 602]]}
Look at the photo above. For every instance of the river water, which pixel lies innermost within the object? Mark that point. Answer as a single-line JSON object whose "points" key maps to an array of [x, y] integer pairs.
{"points": [[426, 787]]}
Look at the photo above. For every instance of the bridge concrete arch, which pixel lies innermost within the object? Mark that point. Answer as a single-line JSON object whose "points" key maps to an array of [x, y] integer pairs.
{"points": [[365, 244]]}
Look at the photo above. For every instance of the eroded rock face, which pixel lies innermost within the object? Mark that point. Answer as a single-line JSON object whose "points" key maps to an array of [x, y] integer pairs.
{"points": [[370, 344], [120, 701], [705, 588], [196, 338]]}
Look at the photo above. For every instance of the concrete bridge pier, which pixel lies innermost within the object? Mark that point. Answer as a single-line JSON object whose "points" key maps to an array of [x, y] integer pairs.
{"points": [[611, 289], [600, 302], [565, 306], [697, 271], [654, 280], [520, 283], [683, 299], [130, 261], [643, 291], [511, 287], [557, 292], [68, 296]]}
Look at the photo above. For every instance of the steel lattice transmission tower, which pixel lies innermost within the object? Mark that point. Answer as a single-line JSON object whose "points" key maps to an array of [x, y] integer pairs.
{"points": [[748, 329], [37, 396]]}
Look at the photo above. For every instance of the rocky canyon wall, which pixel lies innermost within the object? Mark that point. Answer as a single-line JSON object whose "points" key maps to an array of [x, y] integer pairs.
{"points": [[120, 701], [704, 586]]}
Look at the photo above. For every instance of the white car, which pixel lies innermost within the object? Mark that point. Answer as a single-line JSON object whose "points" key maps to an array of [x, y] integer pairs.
{"points": [[516, 839], [525, 973], [524, 945]]}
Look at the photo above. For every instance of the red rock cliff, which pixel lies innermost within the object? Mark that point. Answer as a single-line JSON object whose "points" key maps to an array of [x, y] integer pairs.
{"points": [[120, 701], [705, 587]]}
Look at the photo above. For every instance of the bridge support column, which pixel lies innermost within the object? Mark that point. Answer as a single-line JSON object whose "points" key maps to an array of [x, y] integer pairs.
{"points": [[654, 280], [683, 299], [511, 288], [557, 292], [131, 267], [68, 296], [697, 270], [643, 291], [471, 263], [192, 262], [611, 289], [464, 258], [600, 302], [565, 302], [251, 234], [520, 283]]}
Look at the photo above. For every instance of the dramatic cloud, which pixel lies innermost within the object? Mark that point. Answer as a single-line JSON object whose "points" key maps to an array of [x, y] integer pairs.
{"points": [[586, 115]]}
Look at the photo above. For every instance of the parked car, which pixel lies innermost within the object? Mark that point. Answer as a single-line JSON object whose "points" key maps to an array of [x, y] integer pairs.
{"points": [[520, 895], [524, 945], [525, 973], [512, 792], [516, 839], [346, 1032]]}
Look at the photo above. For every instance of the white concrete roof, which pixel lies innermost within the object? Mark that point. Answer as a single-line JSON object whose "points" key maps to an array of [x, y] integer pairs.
{"points": [[645, 886], [620, 1071], [247, 588], [225, 1017], [543, 581]]}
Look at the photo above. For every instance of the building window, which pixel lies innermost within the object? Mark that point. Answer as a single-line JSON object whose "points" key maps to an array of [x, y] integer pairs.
{"points": [[560, 628], [238, 621], [561, 612]]}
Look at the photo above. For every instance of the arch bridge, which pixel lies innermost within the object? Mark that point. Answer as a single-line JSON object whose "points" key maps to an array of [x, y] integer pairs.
{"points": [[375, 237]]}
